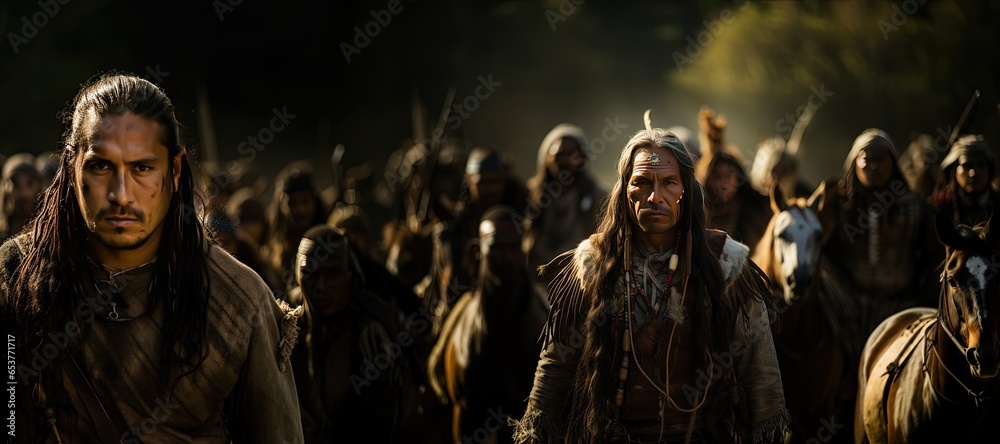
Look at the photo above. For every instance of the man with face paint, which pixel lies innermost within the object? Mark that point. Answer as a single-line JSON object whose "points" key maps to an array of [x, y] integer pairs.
{"points": [[965, 189], [347, 366], [659, 328], [142, 329], [485, 355]]}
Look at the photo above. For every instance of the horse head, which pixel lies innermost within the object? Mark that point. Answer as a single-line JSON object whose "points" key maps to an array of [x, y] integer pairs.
{"points": [[796, 237], [970, 298]]}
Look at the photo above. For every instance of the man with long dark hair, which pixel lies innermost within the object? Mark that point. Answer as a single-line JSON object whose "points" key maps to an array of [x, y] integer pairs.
{"points": [[130, 325], [659, 328]]}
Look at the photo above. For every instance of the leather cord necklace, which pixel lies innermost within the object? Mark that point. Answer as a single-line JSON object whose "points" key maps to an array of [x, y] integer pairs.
{"points": [[113, 290]]}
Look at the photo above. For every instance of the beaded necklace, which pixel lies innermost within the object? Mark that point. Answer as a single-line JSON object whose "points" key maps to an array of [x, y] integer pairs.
{"points": [[637, 284]]}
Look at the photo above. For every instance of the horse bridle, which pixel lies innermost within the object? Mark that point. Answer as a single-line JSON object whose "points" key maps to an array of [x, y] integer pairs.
{"points": [[978, 398]]}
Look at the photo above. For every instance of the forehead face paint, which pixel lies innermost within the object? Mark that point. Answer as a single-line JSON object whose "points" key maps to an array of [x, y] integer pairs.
{"points": [[646, 159], [655, 190]]}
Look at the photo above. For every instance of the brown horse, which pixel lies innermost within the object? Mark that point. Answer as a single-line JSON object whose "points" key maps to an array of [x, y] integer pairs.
{"points": [[929, 375], [813, 363], [484, 360]]}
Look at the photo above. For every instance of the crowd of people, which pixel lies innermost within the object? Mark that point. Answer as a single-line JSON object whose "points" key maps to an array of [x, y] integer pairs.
{"points": [[300, 317]]}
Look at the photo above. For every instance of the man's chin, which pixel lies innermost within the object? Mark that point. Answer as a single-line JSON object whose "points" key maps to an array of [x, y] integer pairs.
{"points": [[121, 241], [657, 228]]}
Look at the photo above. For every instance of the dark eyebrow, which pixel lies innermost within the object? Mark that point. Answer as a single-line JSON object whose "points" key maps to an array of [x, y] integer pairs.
{"points": [[144, 160], [91, 155]]}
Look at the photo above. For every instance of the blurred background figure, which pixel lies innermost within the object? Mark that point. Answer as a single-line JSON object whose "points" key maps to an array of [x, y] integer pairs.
{"points": [[245, 175], [445, 184], [217, 187], [423, 184], [348, 186], [733, 205], [965, 183], [918, 166], [345, 330], [886, 247], [689, 139], [20, 188], [296, 207], [881, 257], [47, 163], [774, 164], [250, 215], [484, 360], [564, 199], [353, 221], [488, 181], [228, 235]]}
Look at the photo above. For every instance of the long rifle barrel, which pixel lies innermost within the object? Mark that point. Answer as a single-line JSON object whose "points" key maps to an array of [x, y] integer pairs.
{"points": [[965, 121]]}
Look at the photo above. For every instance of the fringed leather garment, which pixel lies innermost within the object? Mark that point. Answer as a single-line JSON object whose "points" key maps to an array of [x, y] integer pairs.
{"points": [[580, 360]]}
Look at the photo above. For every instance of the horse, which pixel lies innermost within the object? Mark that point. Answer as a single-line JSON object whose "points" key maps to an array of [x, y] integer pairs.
{"points": [[484, 360], [929, 375], [812, 360]]}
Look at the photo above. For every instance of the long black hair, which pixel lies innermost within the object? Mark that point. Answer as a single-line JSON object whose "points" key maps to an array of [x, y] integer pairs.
{"points": [[47, 288], [594, 391]]}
